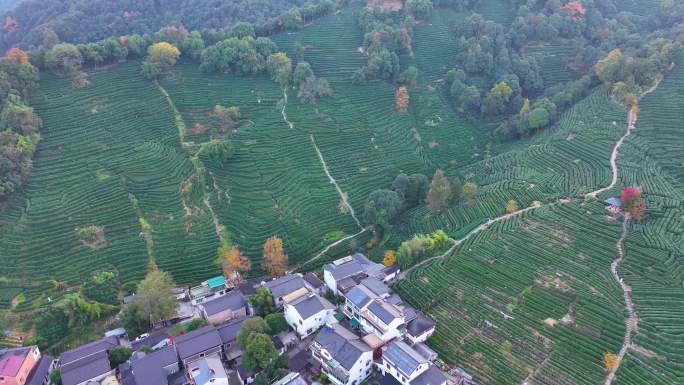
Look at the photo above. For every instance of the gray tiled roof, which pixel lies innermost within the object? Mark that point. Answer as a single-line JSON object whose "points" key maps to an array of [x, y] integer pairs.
{"points": [[389, 270], [432, 376], [403, 357], [376, 286], [344, 270], [82, 351], [285, 285], [419, 325], [381, 310], [149, 370], [229, 330], [313, 280], [41, 371], [343, 346], [233, 301], [151, 340], [197, 341], [86, 368], [311, 304], [359, 297]]}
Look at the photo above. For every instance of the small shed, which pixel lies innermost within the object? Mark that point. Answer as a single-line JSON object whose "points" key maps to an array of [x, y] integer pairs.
{"points": [[613, 204]]}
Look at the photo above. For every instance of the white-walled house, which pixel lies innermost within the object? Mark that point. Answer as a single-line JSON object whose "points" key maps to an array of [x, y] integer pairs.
{"points": [[350, 271], [408, 366], [375, 314], [309, 313], [224, 308], [420, 328], [344, 358], [287, 288]]}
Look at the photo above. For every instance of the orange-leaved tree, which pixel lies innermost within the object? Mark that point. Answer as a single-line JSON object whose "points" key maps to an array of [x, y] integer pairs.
{"points": [[233, 261], [17, 55], [610, 360], [401, 99], [511, 206], [275, 259], [390, 258]]}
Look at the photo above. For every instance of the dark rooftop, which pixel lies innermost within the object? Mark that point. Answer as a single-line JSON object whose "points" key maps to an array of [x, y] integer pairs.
{"points": [[86, 368], [150, 341], [403, 357], [419, 325], [285, 285], [247, 288], [41, 371], [432, 376], [228, 330], [233, 301], [197, 341], [149, 370], [308, 305], [313, 280], [82, 351], [343, 345]]}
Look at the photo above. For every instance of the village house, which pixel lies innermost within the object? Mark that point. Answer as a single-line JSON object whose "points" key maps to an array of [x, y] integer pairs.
{"points": [[198, 344], [213, 287], [309, 313], [291, 379], [286, 288], [208, 371], [420, 328], [224, 308], [89, 363], [408, 366], [343, 357], [228, 332], [155, 368], [314, 283], [349, 271], [41, 372], [373, 313], [16, 365]]}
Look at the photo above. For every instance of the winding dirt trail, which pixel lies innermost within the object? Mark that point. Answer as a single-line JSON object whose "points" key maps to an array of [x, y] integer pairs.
{"points": [[632, 322]]}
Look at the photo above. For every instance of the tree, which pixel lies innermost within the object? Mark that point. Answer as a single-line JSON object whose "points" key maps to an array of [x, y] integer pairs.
{"points": [[234, 261], [401, 99], [154, 299], [65, 58], [258, 352], [224, 119], [276, 323], [280, 68], [17, 55], [610, 360], [302, 72], [262, 301], [195, 324], [633, 202], [511, 206], [160, 58], [242, 29], [102, 287], [439, 191], [469, 191], [218, 151], [275, 259], [496, 101], [381, 207], [193, 45], [409, 77], [390, 258], [248, 327], [55, 377], [313, 88], [420, 9], [118, 355]]}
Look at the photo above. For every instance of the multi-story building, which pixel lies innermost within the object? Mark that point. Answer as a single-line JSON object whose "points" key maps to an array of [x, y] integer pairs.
{"points": [[344, 358], [16, 364], [408, 366]]}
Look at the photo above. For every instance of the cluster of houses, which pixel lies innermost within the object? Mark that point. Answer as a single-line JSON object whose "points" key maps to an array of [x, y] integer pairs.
{"points": [[369, 328]]}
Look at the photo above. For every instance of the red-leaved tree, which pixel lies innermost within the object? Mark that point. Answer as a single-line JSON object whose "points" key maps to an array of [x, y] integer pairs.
{"points": [[633, 202]]}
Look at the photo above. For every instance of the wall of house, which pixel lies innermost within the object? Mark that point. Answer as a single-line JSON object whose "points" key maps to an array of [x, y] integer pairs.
{"points": [[199, 356], [330, 282], [421, 338], [29, 363], [305, 327], [361, 369], [225, 315]]}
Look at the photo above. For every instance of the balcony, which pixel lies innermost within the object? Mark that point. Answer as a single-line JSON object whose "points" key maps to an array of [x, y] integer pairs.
{"points": [[332, 368]]}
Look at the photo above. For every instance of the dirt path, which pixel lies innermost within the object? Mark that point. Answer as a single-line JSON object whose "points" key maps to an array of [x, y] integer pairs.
{"points": [[632, 322], [456, 242]]}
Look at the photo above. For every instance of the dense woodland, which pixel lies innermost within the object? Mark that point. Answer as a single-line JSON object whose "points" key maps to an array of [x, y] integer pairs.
{"points": [[79, 21]]}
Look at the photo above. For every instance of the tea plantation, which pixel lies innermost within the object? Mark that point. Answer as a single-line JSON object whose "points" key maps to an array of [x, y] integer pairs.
{"points": [[530, 300]]}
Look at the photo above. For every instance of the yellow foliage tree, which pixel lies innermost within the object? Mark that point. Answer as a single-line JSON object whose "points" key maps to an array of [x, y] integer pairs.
{"points": [[525, 107], [233, 261], [612, 56], [390, 258], [511, 206], [610, 360], [275, 259]]}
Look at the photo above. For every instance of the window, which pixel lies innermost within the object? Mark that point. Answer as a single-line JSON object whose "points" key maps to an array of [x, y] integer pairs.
{"points": [[300, 322], [201, 354]]}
